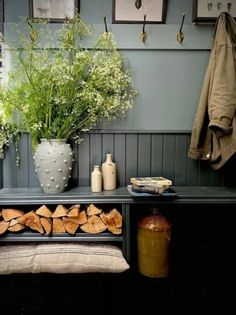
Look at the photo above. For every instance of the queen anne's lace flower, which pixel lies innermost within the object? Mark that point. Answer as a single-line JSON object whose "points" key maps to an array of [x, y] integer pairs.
{"points": [[63, 92]]}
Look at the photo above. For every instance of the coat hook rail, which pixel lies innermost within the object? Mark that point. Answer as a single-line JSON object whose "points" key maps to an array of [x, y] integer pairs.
{"points": [[105, 24], [180, 34], [143, 34]]}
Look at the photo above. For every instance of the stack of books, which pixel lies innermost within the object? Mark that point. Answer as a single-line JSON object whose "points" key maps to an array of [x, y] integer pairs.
{"points": [[149, 185]]}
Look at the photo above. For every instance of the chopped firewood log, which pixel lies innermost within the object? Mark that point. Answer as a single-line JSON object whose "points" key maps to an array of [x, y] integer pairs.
{"points": [[112, 218], [47, 225], [114, 230], [3, 226], [16, 227], [57, 226], [113, 221], [60, 211], [69, 226], [32, 220], [92, 210], [9, 214], [103, 217], [44, 211], [80, 219], [117, 217], [94, 225], [75, 206], [74, 212], [13, 222]]}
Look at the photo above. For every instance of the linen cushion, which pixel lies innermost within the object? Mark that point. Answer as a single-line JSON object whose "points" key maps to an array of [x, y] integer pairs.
{"points": [[61, 258]]}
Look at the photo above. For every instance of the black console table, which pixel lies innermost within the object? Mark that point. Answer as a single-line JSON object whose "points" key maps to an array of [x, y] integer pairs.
{"points": [[28, 199]]}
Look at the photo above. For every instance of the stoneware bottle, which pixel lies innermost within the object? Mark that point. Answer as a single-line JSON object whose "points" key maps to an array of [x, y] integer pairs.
{"points": [[96, 179], [153, 241], [109, 173]]}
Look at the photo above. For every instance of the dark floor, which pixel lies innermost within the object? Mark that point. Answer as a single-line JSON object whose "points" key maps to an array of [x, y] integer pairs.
{"points": [[87, 294]]}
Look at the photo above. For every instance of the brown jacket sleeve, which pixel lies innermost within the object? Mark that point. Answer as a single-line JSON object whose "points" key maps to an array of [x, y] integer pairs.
{"points": [[222, 100], [214, 129]]}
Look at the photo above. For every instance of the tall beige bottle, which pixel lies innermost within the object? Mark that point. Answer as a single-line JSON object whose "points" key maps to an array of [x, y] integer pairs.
{"points": [[109, 173]]}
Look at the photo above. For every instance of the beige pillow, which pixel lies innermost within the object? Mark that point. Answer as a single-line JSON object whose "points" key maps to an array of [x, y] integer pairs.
{"points": [[61, 258]]}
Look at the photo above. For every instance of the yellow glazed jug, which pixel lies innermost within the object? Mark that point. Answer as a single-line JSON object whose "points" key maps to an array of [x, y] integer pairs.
{"points": [[153, 240]]}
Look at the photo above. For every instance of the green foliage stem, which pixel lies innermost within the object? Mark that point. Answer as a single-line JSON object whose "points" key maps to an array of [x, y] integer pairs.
{"points": [[59, 89]]}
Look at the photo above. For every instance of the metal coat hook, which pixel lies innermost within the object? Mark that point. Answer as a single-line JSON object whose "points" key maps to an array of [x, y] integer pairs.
{"points": [[229, 5], [180, 34], [143, 34], [105, 24], [138, 4]]}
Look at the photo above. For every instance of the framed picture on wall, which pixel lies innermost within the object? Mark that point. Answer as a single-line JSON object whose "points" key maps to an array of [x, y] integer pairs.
{"points": [[209, 10], [133, 11], [53, 10]]}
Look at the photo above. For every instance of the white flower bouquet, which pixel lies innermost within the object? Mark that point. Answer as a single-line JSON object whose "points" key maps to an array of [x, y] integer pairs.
{"points": [[61, 93]]}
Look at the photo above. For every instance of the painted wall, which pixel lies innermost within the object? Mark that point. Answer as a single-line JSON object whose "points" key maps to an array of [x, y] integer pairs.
{"points": [[167, 75], [135, 154], [154, 138]]}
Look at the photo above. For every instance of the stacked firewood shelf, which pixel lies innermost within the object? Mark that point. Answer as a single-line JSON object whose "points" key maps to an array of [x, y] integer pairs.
{"points": [[31, 199]]}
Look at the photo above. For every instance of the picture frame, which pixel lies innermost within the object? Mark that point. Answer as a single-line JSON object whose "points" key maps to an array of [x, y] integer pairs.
{"points": [[133, 11], [207, 11], [54, 11]]}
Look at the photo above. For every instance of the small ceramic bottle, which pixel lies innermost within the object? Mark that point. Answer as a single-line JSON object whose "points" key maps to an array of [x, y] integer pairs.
{"points": [[96, 179], [109, 173]]}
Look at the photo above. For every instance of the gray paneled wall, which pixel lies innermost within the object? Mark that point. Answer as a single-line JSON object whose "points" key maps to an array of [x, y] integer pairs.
{"points": [[167, 75], [1, 177], [136, 154]]}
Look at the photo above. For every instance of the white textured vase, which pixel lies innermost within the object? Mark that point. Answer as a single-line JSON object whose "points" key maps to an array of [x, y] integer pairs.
{"points": [[53, 164]]}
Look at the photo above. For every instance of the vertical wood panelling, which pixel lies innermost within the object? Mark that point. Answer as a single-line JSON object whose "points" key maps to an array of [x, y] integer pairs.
{"points": [[180, 160], [204, 174], [1, 174], [107, 145], [156, 155], [135, 154], [193, 172], [168, 157], [192, 169], [22, 172], [33, 179], [119, 158], [227, 172], [131, 152], [144, 155], [75, 169], [9, 167], [216, 178], [95, 150], [83, 162]]}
